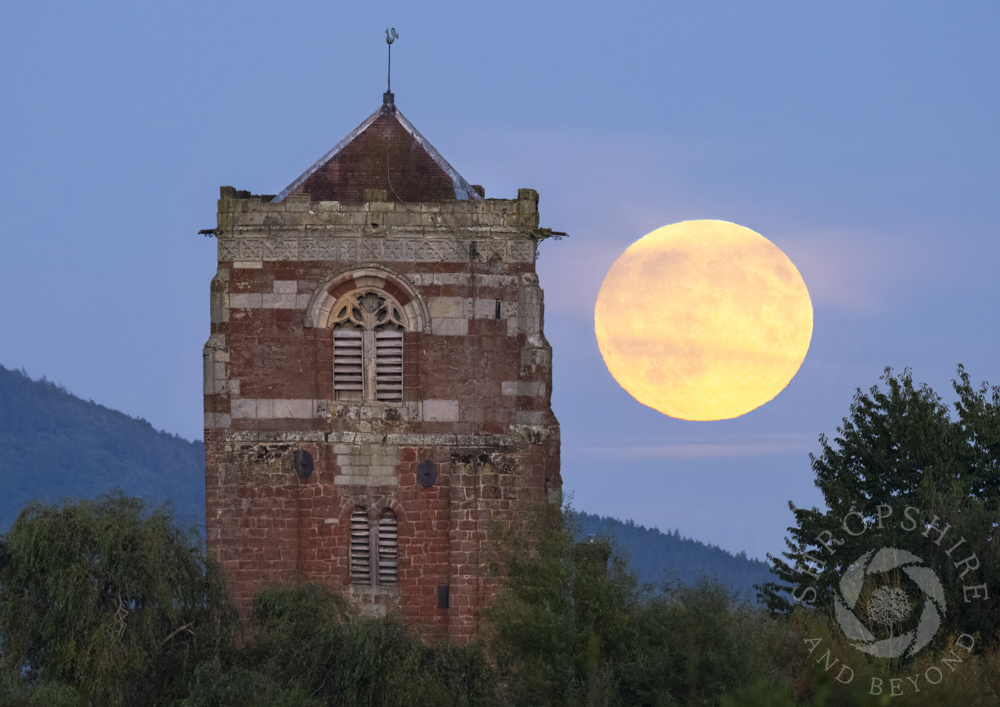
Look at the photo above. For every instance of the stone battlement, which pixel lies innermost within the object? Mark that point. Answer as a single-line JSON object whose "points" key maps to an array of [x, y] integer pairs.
{"points": [[500, 217]]}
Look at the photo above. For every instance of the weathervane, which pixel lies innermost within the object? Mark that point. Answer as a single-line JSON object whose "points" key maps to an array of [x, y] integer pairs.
{"points": [[389, 39]]}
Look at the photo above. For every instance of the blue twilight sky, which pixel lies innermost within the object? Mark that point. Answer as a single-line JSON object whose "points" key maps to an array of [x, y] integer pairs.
{"points": [[860, 137]]}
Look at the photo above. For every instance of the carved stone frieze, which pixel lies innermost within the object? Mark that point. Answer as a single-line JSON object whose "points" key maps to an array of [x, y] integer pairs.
{"points": [[352, 248]]}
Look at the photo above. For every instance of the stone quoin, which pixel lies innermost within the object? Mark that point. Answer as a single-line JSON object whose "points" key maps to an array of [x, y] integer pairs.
{"points": [[377, 381]]}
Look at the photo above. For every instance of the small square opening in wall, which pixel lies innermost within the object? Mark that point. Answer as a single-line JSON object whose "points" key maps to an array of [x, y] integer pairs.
{"points": [[443, 596]]}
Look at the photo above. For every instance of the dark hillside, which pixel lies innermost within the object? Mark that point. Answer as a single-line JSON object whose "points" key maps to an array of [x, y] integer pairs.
{"points": [[658, 557], [55, 445]]}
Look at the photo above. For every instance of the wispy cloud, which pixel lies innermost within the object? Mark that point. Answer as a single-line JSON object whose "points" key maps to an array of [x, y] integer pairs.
{"points": [[798, 444], [856, 272]]}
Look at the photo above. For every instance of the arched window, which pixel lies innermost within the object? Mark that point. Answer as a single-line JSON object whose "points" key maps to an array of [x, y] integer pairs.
{"points": [[368, 326], [374, 548], [387, 547]]}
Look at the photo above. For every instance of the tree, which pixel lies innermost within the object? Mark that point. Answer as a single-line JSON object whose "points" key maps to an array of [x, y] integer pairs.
{"points": [[106, 603], [304, 646], [106, 600], [900, 470], [573, 626]]}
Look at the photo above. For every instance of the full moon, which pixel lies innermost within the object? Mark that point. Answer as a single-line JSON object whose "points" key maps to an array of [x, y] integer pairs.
{"points": [[703, 320]]}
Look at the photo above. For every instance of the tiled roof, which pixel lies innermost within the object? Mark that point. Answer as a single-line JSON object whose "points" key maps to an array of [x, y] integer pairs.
{"points": [[385, 152]]}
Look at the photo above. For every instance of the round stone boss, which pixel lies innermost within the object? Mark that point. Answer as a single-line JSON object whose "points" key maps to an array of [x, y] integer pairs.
{"points": [[303, 464], [426, 473]]}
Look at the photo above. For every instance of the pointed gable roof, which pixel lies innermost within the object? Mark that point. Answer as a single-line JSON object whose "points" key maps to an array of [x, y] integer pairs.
{"points": [[385, 152]]}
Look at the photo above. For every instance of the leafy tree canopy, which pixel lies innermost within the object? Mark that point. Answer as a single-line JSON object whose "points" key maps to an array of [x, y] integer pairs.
{"points": [[573, 626], [106, 603], [107, 599], [901, 470]]}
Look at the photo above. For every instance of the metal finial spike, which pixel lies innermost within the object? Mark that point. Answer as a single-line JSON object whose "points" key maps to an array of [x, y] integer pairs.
{"points": [[389, 39]]}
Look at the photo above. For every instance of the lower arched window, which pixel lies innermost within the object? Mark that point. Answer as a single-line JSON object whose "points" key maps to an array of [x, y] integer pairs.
{"points": [[374, 548]]}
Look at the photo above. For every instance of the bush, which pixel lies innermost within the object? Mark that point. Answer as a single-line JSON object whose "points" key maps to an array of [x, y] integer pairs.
{"points": [[573, 627], [304, 635], [106, 601]]}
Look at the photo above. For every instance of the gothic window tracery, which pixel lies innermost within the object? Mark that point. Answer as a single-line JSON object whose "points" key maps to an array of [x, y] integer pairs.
{"points": [[368, 326]]}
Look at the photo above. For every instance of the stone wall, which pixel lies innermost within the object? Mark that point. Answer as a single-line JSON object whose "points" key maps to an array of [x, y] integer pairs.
{"points": [[476, 396]]}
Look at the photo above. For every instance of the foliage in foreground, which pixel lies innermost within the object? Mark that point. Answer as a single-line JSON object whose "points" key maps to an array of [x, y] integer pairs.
{"points": [[108, 603], [899, 465], [302, 635], [106, 599], [574, 627], [570, 627]]}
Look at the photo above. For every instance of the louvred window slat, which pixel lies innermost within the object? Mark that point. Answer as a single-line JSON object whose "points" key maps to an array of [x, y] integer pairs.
{"points": [[387, 547], [368, 348], [361, 562], [374, 548]]}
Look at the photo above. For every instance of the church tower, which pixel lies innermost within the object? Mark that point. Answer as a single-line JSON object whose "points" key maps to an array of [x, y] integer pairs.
{"points": [[377, 382]]}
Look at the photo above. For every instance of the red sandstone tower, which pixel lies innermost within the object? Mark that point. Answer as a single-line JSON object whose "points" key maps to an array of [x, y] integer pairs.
{"points": [[377, 383]]}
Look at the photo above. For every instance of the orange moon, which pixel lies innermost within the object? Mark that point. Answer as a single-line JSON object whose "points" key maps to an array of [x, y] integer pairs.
{"points": [[703, 320]]}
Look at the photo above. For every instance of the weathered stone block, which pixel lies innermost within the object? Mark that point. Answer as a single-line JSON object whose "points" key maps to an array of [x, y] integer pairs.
{"points": [[294, 409], [283, 301], [342, 480], [450, 327], [440, 410], [485, 309], [526, 388], [530, 417], [448, 307], [217, 420], [244, 408], [536, 356]]}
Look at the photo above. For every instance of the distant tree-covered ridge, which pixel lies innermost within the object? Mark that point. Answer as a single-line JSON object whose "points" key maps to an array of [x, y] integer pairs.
{"points": [[55, 445], [658, 557]]}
